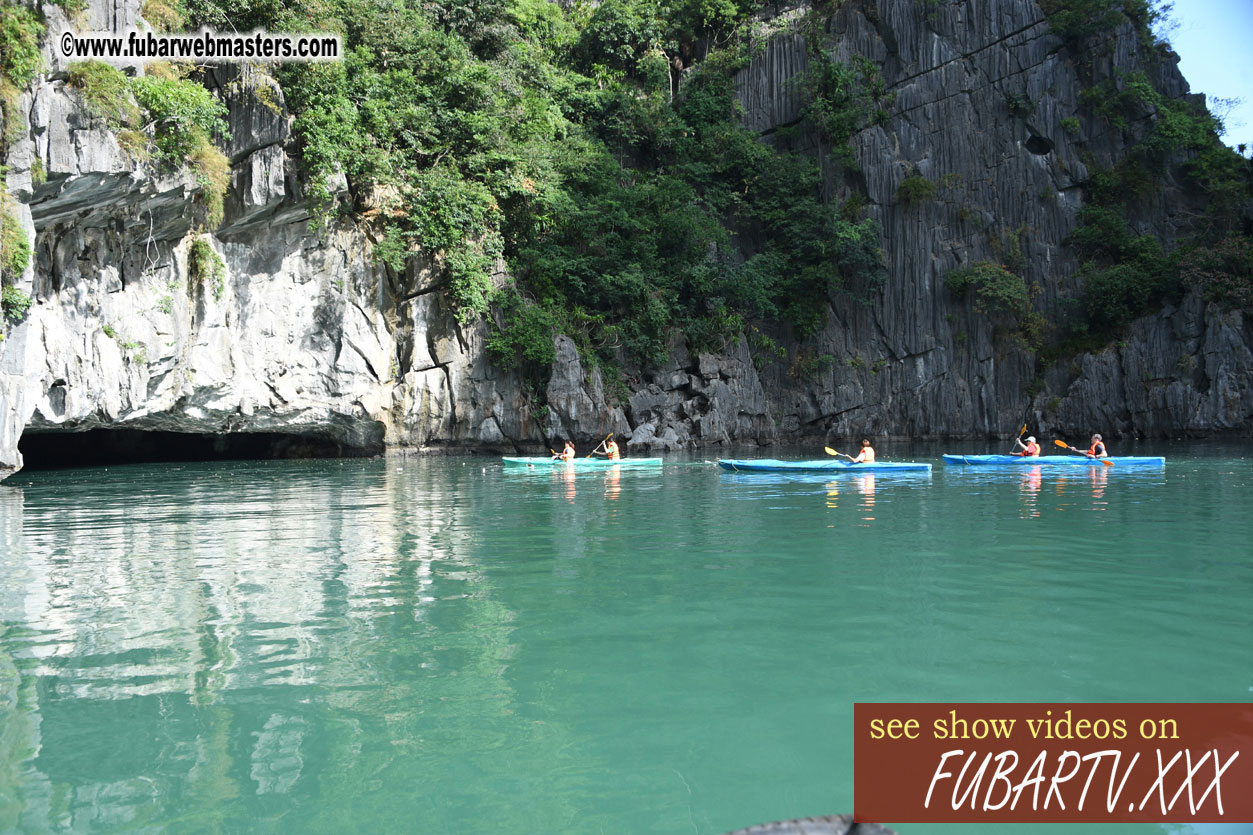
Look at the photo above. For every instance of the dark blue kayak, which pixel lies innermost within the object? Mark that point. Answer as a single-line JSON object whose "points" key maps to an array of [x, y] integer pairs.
{"points": [[1053, 460], [828, 465]]}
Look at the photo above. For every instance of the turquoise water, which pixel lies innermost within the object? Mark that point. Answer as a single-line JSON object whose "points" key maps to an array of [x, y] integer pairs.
{"points": [[440, 645]]}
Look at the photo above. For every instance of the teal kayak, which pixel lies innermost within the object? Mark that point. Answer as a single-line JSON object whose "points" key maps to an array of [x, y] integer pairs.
{"points": [[581, 463], [1054, 460], [773, 465]]}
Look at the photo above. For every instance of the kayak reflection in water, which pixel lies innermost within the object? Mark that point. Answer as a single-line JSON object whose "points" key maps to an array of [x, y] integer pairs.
{"points": [[1031, 482], [613, 483], [1100, 477], [866, 487]]}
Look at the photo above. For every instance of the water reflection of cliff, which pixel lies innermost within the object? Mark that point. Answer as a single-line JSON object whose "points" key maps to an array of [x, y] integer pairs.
{"points": [[244, 611]]}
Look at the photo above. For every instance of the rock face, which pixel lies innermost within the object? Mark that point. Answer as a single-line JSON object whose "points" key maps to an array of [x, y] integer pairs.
{"points": [[300, 332], [981, 92]]}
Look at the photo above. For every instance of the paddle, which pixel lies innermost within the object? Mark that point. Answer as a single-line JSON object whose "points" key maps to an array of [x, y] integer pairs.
{"points": [[598, 446], [1065, 445], [1020, 431], [830, 451]]}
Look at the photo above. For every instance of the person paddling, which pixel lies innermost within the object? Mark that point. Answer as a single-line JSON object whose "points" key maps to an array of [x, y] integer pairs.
{"points": [[1095, 450], [566, 454], [608, 448], [866, 456], [1030, 449]]}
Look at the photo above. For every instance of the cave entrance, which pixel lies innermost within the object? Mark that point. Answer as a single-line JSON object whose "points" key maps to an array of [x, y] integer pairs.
{"points": [[1039, 145], [102, 447]]}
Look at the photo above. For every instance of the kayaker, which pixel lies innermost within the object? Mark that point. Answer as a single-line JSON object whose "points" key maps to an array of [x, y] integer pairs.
{"points": [[608, 448], [1097, 449], [866, 456], [1030, 449], [566, 454]]}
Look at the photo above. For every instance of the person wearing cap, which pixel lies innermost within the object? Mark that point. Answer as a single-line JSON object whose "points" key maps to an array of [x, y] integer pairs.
{"points": [[1097, 449], [1029, 449]]}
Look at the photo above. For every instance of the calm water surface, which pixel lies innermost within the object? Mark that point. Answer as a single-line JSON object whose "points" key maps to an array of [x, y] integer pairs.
{"points": [[443, 646]]}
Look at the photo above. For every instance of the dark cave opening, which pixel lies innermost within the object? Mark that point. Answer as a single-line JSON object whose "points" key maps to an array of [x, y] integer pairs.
{"points": [[1039, 145], [102, 447]]}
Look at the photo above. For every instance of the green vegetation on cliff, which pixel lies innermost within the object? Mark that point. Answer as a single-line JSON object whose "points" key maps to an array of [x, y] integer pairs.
{"points": [[183, 115], [14, 259], [1170, 142], [20, 61], [626, 205]]}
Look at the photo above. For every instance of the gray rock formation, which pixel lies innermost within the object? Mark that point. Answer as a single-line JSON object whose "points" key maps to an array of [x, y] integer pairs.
{"points": [[919, 362], [304, 335]]}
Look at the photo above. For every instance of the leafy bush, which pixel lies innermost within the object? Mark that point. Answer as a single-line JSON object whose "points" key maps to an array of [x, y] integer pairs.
{"points": [[14, 247], [842, 99], [1224, 272], [20, 61], [20, 33], [70, 7], [618, 33], [1136, 276], [206, 269], [996, 289], [185, 114], [549, 136], [1075, 21], [1116, 295], [1101, 231], [186, 117], [915, 189], [164, 15], [14, 303], [1019, 105], [524, 335], [106, 91]]}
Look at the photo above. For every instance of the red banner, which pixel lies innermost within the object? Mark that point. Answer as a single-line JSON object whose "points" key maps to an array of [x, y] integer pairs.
{"points": [[1072, 763]]}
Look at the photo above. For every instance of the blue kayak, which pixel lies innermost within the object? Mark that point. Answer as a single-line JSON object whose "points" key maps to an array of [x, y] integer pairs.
{"points": [[828, 465], [1053, 460], [581, 463]]}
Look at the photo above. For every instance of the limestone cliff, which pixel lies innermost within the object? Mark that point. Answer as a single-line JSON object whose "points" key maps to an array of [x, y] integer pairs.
{"points": [[982, 89], [300, 333]]}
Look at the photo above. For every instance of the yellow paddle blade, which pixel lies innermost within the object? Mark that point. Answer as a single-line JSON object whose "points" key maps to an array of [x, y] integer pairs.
{"points": [[1107, 463], [830, 451], [1062, 444], [1024, 429]]}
